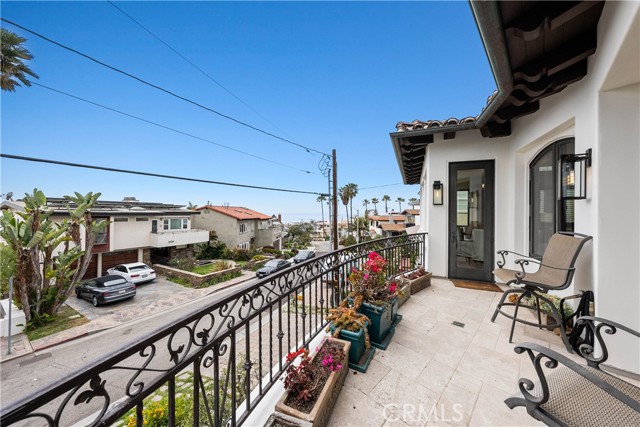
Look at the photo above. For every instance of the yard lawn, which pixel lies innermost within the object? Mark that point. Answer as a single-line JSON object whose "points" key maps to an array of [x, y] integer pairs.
{"points": [[65, 318], [207, 268]]}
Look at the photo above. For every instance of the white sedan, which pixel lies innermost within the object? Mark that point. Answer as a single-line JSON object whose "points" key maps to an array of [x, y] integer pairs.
{"points": [[136, 272]]}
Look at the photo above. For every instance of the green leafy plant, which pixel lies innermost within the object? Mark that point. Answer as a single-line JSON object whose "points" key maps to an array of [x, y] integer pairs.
{"points": [[347, 318], [183, 263]]}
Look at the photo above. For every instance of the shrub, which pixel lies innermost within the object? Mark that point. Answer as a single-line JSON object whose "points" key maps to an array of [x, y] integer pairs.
{"points": [[258, 258], [222, 265], [212, 250], [186, 264], [221, 278], [270, 251], [239, 254], [348, 241], [288, 254]]}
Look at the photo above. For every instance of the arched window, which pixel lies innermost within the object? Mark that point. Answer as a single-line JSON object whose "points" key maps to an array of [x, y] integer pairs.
{"points": [[547, 214]]}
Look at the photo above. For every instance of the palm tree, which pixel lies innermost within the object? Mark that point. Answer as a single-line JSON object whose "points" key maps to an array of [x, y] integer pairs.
{"points": [[386, 199], [11, 61], [365, 203], [400, 200], [375, 202], [413, 202], [343, 192], [353, 192], [321, 198]]}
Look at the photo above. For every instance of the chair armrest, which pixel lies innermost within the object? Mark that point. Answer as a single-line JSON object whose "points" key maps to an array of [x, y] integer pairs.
{"points": [[596, 324], [553, 359], [523, 262], [505, 253]]}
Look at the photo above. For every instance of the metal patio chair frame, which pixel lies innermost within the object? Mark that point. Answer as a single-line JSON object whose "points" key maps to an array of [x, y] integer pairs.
{"points": [[528, 284], [568, 393]]}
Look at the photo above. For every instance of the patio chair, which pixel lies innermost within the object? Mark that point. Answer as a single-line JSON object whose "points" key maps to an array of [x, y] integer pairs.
{"points": [[572, 394], [555, 272]]}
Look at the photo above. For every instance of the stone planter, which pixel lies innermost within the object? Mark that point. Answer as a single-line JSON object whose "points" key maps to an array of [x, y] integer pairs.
{"points": [[383, 321], [321, 411], [406, 294], [420, 283], [278, 419]]}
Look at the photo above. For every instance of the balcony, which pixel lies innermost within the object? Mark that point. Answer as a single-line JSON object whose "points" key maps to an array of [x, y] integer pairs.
{"points": [[163, 239], [229, 357]]}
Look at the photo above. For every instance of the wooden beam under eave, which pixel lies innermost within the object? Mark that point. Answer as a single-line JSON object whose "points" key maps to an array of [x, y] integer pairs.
{"points": [[496, 130]]}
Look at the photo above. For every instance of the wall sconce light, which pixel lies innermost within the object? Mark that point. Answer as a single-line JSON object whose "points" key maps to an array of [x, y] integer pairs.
{"points": [[437, 193], [573, 175]]}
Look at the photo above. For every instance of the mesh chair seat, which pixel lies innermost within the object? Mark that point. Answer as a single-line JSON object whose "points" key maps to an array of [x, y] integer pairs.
{"points": [[576, 401]]}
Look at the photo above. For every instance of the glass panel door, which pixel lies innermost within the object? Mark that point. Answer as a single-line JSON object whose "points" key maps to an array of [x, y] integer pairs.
{"points": [[471, 220]]}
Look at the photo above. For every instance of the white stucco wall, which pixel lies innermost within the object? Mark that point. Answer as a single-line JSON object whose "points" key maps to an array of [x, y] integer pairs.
{"points": [[602, 112], [131, 234]]}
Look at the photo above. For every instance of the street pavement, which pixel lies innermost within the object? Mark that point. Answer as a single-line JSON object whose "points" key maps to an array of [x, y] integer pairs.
{"points": [[56, 359]]}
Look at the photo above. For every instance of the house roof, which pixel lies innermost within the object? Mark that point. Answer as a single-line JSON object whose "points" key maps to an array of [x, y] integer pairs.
{"points": [[127, 207], [393, 227], [236, 212], [411, 212], [386, 218], [535, 49]]}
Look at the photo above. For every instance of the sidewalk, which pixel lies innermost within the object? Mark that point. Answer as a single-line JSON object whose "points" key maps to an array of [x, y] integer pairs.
{"points": [[135, 312]]}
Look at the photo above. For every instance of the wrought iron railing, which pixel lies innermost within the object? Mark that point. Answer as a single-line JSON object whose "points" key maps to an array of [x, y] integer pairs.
{"points": [[231, 353]]}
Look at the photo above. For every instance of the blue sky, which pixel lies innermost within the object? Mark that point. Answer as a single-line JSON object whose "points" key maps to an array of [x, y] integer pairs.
{"points": [[329, 74]]}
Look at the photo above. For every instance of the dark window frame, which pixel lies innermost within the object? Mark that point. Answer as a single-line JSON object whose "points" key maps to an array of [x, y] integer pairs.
{"points": [[560, 223]]}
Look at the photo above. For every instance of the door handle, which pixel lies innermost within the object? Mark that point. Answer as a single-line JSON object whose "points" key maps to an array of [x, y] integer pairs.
{"points": [[452, 237]]}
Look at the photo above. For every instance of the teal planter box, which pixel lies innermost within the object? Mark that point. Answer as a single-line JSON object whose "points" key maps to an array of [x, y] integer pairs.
{"points": [[382, 319], [357, 343], [359, 356]]}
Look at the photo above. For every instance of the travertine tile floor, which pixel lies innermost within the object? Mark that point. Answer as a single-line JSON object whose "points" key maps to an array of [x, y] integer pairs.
{"points": [[438, 374]]}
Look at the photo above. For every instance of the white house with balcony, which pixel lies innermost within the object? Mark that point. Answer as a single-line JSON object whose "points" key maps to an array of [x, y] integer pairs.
{"points": [[136, 231], [568, 90]]}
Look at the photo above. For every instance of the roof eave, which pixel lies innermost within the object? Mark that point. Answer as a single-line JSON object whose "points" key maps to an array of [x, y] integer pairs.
{"points": [[489, 24]]}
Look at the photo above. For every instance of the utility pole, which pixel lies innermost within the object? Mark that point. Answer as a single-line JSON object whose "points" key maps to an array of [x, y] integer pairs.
{"points": [[334, 231]]}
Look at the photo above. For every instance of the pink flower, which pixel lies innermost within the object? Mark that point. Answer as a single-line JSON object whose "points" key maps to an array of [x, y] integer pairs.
{"points": [[392, 287]]}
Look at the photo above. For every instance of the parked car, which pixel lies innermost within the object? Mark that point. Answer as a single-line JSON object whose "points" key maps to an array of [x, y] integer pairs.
{"points": [[272, 266], [303, 256], [135, 272], [106, 289]]}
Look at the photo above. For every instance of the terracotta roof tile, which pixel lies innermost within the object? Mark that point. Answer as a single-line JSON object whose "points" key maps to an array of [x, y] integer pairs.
{"points": [[393, 227], [236, 212], [385, 218]]}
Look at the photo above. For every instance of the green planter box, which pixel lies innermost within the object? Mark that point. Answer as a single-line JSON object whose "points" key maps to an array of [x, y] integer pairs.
{"points": [[359, 356], [383, 320]]}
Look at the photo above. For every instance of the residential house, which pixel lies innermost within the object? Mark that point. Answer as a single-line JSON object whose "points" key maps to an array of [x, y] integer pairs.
{"points": [[568, 83], [240, 227], [136, 231], [412, 216], [387, 225]]}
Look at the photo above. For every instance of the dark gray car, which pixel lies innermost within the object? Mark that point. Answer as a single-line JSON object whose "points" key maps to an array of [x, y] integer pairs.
{"points": [[272, 266], [303, 256], [106, 289]]}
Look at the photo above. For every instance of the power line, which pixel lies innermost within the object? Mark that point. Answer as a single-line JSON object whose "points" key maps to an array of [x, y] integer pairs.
{"points": [[157, 175], [380, 186], [240, 122], [167, 127], [207, 75]]}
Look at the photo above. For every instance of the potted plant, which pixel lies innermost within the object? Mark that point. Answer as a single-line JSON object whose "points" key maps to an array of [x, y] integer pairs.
{"points": [[377, 298], [349, 325], [314, 383], [546, 310], [418, 280]]}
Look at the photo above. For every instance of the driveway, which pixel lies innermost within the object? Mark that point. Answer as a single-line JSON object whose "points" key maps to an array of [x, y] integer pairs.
{"points": [[155, 297], [151, 297]]}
